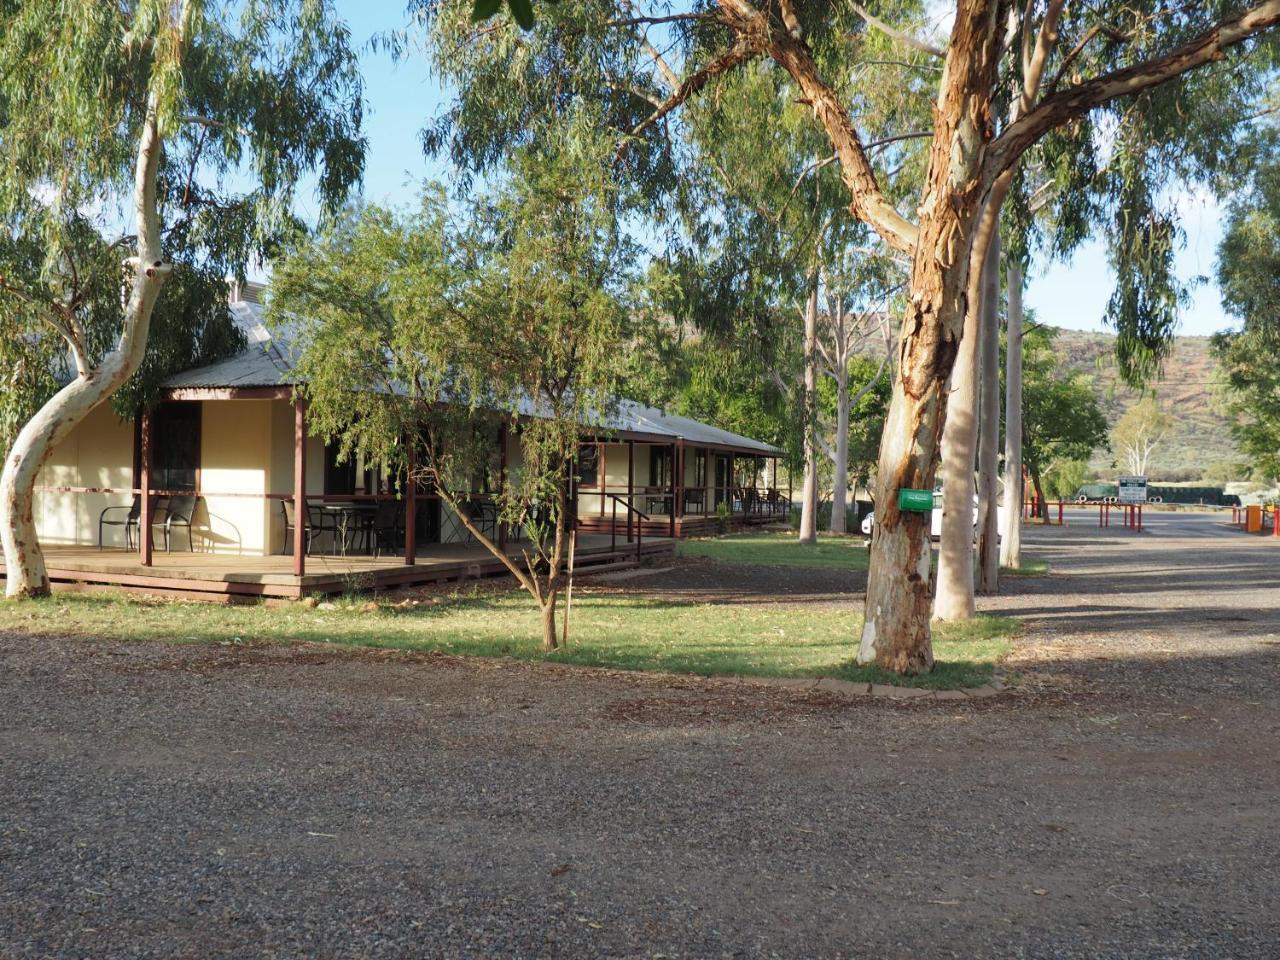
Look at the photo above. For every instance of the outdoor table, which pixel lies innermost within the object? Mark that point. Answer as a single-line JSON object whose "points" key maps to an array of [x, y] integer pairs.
{"points": [[350, 518], [663, 504]]}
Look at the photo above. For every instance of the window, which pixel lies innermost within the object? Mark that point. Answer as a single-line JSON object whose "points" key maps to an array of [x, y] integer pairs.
{"points": [[659, 466], [589, 465], [339, 478], [700, 468], [175, 447]]}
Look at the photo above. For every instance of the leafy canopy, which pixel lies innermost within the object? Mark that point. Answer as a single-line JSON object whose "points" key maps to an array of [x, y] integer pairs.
{"points": [[1249, 276], [252, 97], [445, 321]]}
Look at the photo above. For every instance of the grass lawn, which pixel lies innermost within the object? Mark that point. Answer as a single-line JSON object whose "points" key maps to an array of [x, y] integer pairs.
{"points": [[621, 631], [1028, 568], [780, 549]]}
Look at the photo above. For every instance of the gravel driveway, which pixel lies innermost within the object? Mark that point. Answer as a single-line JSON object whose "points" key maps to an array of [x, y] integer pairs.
{"points": [[1121, 801]]}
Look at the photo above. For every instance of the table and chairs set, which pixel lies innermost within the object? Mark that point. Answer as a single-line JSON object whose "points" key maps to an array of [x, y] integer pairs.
{"points": [[376, 527]]}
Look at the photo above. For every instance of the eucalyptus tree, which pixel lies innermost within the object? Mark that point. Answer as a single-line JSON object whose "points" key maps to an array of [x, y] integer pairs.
{"points": [[1092, 56], [859, 288], [510, 312], [126, 126], [1249, 277]]}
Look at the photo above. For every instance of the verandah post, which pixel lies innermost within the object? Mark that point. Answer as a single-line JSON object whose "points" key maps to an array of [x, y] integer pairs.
{"points": [[299, 488], [502, 479], [672, 512], [631, 484], [411, 501], [144, 484]]}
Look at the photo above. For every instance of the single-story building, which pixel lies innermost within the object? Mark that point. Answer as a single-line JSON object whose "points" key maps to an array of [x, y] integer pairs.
{"points": [[201, 494]]}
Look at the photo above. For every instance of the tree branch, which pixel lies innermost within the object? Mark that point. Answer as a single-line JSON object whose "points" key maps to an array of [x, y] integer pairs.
{"points": [[739, 53], [869, 202], [1062, 107], [913, 42]]}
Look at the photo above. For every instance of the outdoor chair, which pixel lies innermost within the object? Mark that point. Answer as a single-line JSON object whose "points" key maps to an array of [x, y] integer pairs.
{"points": [[129, 521], [484, 517], [132, 519], [309, 530], [180, 513], [388, 527]]}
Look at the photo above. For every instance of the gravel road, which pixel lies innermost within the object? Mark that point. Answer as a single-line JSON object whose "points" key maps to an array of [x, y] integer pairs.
{"points": [[1120, 802]]}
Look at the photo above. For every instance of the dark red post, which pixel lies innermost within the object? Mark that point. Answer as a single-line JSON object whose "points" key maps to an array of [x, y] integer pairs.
{"points": [[299, 487], [144, 484], [411, 501], [631, 484]]}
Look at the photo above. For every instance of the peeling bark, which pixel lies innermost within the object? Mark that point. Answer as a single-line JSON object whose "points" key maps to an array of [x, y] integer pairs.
{"points": [[953, 599], [25, 572], [896, 633], [988, 560]]}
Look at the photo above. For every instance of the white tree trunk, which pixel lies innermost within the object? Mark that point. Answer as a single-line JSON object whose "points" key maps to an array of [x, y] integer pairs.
{"points": [[989, 424], [25, 573], [809, 502], [840, 491], [1011, 544], [953, 598]]}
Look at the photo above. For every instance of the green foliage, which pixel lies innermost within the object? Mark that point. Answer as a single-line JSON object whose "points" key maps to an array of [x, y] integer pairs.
{"points": [[1063, 477], [1119, 172], [1249, 277], [779, 549], [430, 324], [265, 92], [1061, 417], [1222, 472], [866, 416]]}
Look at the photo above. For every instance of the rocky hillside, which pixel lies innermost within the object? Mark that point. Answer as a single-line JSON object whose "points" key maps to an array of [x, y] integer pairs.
{"points": [[1199, 438]]}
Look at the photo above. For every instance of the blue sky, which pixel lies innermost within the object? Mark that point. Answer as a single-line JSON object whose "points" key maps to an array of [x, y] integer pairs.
{"points": [[403, 96]]}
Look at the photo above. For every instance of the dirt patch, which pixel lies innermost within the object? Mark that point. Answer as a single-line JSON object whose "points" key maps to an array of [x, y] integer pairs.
{"points": [[301, 800]]}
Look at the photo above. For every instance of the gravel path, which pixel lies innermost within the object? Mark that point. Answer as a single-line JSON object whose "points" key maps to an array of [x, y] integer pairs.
{"points": [[307, 802]]}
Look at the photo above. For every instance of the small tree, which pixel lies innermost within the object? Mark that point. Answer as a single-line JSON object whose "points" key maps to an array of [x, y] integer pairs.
{"points": [[1139, 433], [1064, 476], [417, 326], [1061, 416]]}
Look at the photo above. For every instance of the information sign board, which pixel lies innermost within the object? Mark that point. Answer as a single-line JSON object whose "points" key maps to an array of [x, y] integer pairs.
{"points": [[1132, 490]]}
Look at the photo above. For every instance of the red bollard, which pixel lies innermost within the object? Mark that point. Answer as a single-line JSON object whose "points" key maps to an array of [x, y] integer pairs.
{"points": [[1060, 514], [1139, 518]]}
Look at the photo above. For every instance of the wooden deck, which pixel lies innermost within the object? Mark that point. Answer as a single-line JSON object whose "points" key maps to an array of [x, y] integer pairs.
{"points": [[228, 576]]}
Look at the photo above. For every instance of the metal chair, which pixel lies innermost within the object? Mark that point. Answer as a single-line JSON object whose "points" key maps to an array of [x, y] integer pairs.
{"points": [[180, 512], [128, 522], [290, 527], [388, 526]]}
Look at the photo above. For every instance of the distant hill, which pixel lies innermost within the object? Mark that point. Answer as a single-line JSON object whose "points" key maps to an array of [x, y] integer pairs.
{"points": [[1200, 436]]}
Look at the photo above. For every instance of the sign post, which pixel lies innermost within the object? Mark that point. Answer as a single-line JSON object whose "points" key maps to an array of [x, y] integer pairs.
{"points": [[1132, 490], [915, 501]]}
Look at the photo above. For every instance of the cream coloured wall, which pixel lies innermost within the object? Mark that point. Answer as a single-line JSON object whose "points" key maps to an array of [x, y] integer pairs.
{"points": [[99, 454], [235, 458], [615, 475]]}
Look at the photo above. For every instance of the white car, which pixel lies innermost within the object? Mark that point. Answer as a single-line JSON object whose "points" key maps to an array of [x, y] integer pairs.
{"points": [[935, 521]]}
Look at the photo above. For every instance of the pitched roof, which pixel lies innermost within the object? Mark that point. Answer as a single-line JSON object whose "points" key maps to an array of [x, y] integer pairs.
{"points": [[269, 363]]}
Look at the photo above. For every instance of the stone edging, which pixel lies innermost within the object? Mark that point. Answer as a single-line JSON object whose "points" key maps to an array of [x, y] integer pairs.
{"points": [[884, 691]]}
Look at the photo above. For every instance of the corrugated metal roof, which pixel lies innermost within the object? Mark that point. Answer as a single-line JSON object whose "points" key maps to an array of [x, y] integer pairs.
{"points": [[268, 363]]}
